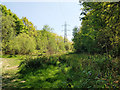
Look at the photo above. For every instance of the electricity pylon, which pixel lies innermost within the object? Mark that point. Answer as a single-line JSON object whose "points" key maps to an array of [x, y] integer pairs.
{"points": [[65, 31]]}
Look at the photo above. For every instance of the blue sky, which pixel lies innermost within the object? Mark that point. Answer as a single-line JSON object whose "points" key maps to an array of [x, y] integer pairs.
{"points": [[53, 14]]}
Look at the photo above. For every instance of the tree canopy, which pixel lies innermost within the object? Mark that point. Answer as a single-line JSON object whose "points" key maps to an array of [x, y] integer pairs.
{"points": [[19, 36], [100, 31]]}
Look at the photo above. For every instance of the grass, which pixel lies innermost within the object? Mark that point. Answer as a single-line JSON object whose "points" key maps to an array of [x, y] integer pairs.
{"points": [[10, 65], [21, 57], [9, 72], [62, 71]]}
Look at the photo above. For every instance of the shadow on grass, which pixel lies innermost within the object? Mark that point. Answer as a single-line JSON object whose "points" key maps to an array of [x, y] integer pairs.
{"points": [[11, 81], [65, 71]]}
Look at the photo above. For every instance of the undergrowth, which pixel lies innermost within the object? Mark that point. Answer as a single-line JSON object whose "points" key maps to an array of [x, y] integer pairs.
{"points": [[71, 71]]}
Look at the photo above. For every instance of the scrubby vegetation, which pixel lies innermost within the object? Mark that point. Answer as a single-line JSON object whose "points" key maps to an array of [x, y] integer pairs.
{"points": [[87, 71]]}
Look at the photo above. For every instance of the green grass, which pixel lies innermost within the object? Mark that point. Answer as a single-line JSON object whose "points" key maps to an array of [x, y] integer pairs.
{"points": [[14, 56], [63, 71]]}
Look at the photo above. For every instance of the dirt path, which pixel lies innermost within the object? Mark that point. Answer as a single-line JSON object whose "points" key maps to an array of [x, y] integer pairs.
{"points": [[9, 70]]}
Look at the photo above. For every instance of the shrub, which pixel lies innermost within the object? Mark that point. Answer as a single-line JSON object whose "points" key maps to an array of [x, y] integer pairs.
{"points": [[24, 44]]}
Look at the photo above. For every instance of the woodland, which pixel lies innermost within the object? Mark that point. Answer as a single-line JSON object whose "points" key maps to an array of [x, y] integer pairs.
{"points": [[41, 59]]}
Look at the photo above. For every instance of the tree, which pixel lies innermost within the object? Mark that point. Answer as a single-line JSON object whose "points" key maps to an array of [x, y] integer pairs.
{"points": [[29, 27], [99, 32], [47, 28], [24, 44], [8, 32], [75, 30], [19, 36]]}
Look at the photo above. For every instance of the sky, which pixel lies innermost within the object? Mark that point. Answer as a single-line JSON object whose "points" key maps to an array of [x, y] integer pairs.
{"points": [[54, 14]]}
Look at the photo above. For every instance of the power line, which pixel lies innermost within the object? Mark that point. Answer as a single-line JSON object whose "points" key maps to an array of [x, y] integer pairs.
{"points": [[65, 31]]}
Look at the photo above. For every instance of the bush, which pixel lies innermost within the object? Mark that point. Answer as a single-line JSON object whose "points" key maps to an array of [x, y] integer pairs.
{"points": [[22, 44]]}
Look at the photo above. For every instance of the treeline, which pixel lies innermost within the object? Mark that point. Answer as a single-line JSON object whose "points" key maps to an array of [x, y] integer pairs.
{"points": [[19, 36], [100, 30]]}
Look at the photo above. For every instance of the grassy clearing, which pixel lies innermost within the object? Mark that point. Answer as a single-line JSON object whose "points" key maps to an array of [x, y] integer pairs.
{"points": [[65, 71]]}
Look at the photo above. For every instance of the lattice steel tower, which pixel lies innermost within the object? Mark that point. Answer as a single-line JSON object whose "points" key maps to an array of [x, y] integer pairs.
{"points": [[65, 31]]}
